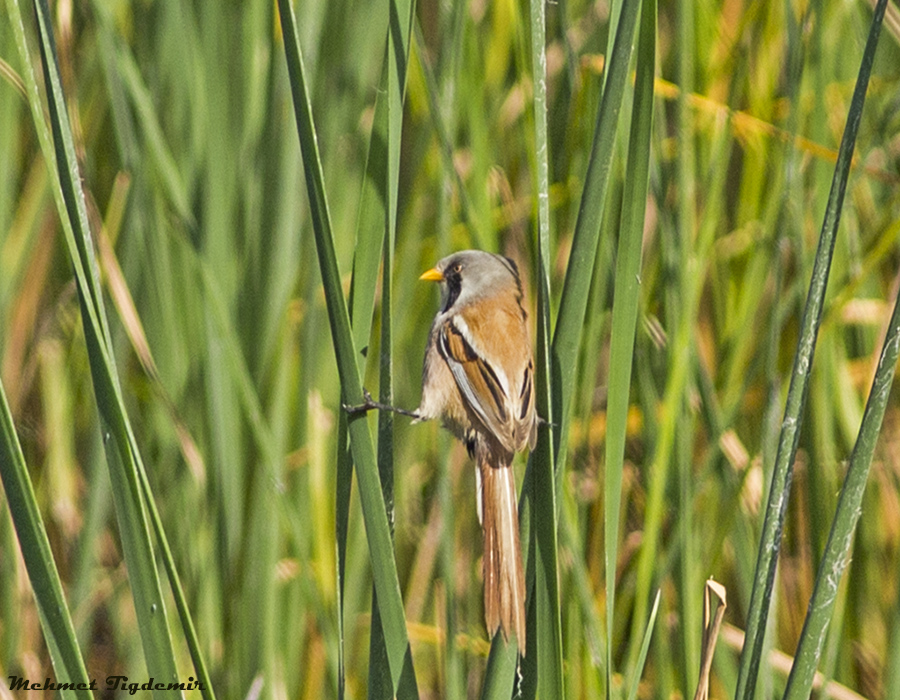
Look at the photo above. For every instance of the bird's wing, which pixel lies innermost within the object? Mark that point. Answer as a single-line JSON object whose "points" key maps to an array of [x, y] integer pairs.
{"points": [[526, 425], [482, 386]]}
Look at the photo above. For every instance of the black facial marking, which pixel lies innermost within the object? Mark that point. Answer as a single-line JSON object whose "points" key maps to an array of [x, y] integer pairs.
{"points": [[453, 280]]}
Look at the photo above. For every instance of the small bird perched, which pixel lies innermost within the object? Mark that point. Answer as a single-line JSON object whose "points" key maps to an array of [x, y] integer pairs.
{"points": [[478, 380]]}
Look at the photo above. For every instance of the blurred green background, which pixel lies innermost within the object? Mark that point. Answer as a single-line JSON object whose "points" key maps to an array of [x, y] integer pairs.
{"points": [[186, 137]]}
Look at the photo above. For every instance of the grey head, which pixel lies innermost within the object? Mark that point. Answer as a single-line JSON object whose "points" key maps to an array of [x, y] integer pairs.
{"points": [[470, 275]]}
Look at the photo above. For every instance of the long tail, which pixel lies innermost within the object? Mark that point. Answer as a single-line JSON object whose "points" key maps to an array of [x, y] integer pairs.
{"points": [[504, 576]]}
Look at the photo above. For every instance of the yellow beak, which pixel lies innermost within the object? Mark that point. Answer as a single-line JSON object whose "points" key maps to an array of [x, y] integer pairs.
{"points": [[432, 275]]}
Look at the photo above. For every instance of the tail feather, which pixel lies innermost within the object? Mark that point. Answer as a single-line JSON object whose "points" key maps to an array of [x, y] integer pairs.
{"points": [[504, 575]]}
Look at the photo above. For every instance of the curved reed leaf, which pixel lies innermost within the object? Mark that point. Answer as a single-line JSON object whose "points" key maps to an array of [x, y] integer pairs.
{"points": [[843, 527], [648, 633], [626, 302], [540, 483], [126, 469], [56, 620], [573, 303], [70, 202], [545, 598], [381, 551], [687, 225], [370, 230], [779, 490], [396, 58]]}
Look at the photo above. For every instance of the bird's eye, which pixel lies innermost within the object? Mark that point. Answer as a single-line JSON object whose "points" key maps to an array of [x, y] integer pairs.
{"points": [[457, 267]]}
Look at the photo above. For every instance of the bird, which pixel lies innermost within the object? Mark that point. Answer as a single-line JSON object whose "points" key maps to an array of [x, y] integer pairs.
{"points": [[478, 380]]}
